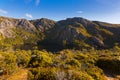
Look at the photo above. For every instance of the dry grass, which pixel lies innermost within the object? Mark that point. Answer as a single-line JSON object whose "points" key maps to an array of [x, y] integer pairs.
{"points": [[21, 75]]}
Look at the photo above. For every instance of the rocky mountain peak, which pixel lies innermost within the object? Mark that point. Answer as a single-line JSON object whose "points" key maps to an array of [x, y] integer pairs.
{"points": [[6, 24], [43, 24], [77, 19]]}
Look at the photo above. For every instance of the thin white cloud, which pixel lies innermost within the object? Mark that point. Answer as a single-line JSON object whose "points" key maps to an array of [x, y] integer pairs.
{"points": [[112, 17], [3, 11], [28, 15], [80, 12], [37, 2]]}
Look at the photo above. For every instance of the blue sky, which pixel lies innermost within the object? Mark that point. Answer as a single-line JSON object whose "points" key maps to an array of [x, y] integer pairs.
{"points": [[101, 10]]}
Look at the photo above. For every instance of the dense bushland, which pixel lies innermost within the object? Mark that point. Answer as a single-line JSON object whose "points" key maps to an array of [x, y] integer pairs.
{"points": [[66, 64]]}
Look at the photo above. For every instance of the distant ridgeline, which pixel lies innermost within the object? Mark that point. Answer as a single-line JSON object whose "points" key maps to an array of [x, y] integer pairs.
{"points": [[72, 33]]}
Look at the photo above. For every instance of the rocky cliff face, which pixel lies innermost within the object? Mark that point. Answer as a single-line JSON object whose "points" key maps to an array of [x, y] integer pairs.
{"points": [[6, 24], [66, 31]]}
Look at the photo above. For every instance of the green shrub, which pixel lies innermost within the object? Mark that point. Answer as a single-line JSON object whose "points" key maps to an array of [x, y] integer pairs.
{"points": [[8, 63], [23, 57], [43, 74], [78, 75], [40, 58], [110, 65], [96, 73], [73, 62]]}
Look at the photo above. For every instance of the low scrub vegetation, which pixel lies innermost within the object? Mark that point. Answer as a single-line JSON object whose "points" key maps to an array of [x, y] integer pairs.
{"points": [[63, 65]]}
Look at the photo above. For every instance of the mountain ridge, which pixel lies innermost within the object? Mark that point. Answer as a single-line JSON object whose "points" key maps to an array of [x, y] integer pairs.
{"points": [[83, 30], [71, 31]]}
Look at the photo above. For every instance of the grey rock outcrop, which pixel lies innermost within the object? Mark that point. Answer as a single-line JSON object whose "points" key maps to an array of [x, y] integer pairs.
{"points": [[43, 24]]}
